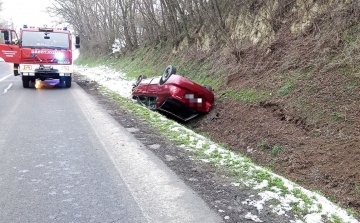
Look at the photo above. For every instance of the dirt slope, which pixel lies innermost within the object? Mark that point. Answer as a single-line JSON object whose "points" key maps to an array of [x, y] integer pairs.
{"points": [[305, 126]]}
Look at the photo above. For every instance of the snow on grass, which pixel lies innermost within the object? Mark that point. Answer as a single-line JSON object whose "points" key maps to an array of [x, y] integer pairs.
{"points": [[307, 206], [109, 78]]}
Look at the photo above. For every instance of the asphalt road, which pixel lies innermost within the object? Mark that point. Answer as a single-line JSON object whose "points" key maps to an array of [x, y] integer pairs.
{"points": [[64, 159]]}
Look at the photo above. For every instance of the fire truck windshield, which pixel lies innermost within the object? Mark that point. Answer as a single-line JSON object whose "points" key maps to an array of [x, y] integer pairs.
{"points": [[31, 39]]}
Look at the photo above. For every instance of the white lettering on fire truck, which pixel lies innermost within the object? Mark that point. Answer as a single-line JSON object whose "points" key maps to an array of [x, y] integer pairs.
{"points": [[9, 53], [43, 51]]}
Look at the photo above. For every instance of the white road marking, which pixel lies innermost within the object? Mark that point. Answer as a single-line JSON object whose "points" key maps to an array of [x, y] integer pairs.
{"points": [[5, 77], [10, 85]]}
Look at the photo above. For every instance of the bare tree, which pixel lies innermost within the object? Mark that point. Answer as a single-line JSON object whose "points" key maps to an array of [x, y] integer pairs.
{"points": [[153, 22], [4, 22]]}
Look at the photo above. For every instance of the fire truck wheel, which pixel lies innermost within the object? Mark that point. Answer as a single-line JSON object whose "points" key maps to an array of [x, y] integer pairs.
{"points": [[25, 81], [68, 82]]}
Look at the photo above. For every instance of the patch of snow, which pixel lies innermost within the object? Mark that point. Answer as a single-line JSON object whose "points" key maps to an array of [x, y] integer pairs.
{"points": [[116, 46], [132, 130], [155, 146], [205, 160], [252, 217], [262, 185], [250, 150], [107, 77]]}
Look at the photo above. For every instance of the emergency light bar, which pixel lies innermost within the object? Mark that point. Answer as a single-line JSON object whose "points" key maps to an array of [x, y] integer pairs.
{"points": [[45, 28]]}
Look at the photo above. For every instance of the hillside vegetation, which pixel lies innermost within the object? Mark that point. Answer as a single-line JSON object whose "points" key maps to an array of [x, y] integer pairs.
{"points": [[285, 74]]}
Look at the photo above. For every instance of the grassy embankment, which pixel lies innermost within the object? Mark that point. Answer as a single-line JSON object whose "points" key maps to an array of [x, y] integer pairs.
{"points": [[293, 88]]}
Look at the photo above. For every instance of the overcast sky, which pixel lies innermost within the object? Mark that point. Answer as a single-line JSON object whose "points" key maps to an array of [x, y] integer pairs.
{"points": [[29, 12]]}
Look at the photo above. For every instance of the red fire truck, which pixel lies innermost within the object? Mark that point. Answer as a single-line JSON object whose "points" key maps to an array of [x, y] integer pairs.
{"points": [[39, 53]]}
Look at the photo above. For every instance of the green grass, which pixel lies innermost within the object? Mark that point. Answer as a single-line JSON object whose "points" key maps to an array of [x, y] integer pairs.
{"points": [[299, 194], [286, 89], [313, 88], [306, 206], [275, 150], [346, 70], [274, 202], [151, 62], [335, 219], [249, 95], [262, 175], [338, 116], [350, 37], [246, 95], [352, 86], [278, 183], [296, 208], [264, 145], [357, 190]]}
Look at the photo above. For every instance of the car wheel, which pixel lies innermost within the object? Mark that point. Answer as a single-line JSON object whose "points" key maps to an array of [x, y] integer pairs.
{"points": [[208, 87], [25, 81], [68, 82], [140, 78], [167, 73]]}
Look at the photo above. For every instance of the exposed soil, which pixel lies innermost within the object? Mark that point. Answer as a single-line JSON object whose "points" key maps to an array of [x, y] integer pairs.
{"points": [[331, 166], [316, 122]]}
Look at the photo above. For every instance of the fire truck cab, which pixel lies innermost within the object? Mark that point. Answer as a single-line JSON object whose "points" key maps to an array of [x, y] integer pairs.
{"points": [[39, 53]]}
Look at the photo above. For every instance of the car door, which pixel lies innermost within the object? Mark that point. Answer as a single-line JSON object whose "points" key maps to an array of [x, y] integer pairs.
{"points": [[9, 46]]}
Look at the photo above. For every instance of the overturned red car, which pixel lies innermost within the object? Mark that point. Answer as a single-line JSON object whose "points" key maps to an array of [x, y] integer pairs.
{"points": [[173, 94]]}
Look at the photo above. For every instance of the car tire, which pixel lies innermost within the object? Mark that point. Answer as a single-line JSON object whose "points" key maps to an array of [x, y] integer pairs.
{"points": [[68, 82], [25, 81], [167, 73], [208, 87], [138, 81]]}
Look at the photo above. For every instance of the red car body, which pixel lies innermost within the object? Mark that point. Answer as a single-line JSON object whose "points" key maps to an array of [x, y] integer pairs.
{"points": [[176, 95]]}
